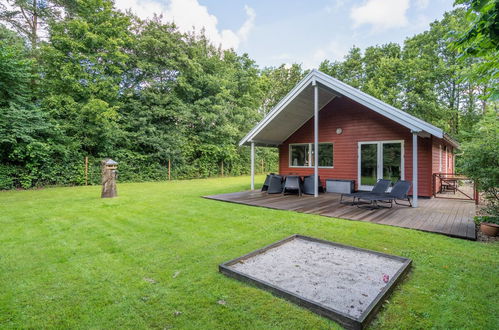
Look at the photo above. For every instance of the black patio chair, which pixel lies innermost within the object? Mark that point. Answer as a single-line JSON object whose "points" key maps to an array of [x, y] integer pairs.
{"points": [[275, 185], [399, 192], [308, 185], [379, 188], [265, 186], [292, 184]]}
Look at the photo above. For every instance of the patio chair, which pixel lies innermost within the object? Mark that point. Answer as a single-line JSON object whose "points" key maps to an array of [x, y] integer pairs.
{"points": [[308, 185], [399, 192], [275, 185], [292, 184], [265, 186], [379, 188]]}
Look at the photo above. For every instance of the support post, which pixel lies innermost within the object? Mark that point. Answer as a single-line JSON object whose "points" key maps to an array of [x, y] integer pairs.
{"points": [[86, 170], [414, 169], [252, 166], [169, 169], [316, 138]]}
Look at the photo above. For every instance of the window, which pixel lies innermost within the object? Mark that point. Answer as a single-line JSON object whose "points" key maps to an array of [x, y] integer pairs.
{"points": [[302, 155]]}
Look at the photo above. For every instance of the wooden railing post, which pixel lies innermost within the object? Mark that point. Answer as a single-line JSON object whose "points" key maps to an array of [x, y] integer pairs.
{"points": [[86, 170], [169, 169]]}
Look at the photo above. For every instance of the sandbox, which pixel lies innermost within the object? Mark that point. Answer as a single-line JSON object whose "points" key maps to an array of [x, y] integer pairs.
{"points": [[341, 282]]}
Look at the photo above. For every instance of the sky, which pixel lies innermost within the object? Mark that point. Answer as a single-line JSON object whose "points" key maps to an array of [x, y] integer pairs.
{"points": [[275, 32]]}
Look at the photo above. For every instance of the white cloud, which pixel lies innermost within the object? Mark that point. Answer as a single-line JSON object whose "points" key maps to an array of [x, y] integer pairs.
{"points": [[381, 14], [189, 15], [421, 4], [333, 51], [334, 6]]}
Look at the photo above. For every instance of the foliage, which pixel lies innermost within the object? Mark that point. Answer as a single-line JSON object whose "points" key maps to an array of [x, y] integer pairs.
{"points": [[488, 219], [81, 79], [481, 41], [28, 17], [73, 260], [480, 159], [423, 77]]}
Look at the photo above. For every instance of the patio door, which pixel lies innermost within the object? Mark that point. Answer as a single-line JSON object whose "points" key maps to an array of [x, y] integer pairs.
{"points": [[380, 160]]}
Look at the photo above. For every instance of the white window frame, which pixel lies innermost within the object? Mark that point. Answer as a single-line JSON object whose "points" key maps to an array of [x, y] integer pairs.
{"points": [[379, 170], [446, 151], [440, 159], [310, 150]]}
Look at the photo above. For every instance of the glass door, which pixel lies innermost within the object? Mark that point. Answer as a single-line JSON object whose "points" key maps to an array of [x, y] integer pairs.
{"points": [[368, 164], [380, 160]]}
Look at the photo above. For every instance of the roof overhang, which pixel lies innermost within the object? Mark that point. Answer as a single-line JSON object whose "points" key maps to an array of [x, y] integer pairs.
{"points": [[451, 141], [297, 107]]}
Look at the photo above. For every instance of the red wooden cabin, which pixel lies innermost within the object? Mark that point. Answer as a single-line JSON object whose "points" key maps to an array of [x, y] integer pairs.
{"points": [[329, 128]]}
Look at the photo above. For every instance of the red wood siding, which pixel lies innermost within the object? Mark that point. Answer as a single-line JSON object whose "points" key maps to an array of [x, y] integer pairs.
{"points": [[359, 124], [439, 153]]}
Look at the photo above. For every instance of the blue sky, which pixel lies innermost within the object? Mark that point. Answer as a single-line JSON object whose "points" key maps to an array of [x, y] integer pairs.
{"points": [[273, 32]]}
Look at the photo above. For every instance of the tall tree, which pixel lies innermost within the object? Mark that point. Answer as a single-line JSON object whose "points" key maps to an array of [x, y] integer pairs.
{"points": [[29, 17], [84, 65], [481, 41], [277, 82]]}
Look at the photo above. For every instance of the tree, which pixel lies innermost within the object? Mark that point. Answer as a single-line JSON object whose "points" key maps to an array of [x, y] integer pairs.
{"points": [[481, 41], [83, 66], [29, 17], [277, 82], [480, 159], [24, 129]]}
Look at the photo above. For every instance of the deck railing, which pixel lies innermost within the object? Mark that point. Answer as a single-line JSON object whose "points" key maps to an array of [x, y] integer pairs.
{"points": [[445, 182]]}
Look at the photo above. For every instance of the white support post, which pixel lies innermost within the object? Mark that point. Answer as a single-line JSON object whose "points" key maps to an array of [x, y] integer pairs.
{"points": [[316, 138], [252, 165], [414, 169]]}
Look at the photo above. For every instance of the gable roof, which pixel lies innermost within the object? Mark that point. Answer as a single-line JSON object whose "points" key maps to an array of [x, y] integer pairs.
{"points": [[296, 108]]}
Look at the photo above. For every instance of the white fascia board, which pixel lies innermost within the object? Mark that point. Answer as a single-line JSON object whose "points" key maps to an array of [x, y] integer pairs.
{"points": [[278, 108], [450, 140]]}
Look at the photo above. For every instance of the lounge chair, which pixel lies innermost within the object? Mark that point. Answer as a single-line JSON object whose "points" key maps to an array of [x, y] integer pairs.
{"points": [[379, 188], [275, 185], [399, 192], [308, 185], [292, 183], [265, 186]]}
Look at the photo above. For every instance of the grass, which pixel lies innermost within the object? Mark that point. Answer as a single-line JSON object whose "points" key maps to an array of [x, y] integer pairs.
{"points": [[148, 259]]}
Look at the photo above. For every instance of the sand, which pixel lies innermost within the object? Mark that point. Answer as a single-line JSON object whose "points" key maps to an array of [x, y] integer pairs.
{"points": [[340, 278]]}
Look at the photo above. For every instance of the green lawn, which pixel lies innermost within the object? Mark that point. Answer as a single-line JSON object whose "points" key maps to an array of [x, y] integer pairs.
{"points": [[149, 258]]}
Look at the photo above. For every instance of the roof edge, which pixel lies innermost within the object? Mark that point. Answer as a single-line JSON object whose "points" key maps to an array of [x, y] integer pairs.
{"points": [[401, 117]]}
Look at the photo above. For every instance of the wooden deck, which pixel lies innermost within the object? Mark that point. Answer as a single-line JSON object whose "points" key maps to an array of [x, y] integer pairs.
{"points": [[450, 217]]}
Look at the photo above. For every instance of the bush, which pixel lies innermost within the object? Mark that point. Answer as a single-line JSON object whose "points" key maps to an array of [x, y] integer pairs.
{"points": [[480, 160]]}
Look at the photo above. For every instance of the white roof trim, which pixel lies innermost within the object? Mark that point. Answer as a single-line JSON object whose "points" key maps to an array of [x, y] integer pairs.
{"points": [[336, 86]]}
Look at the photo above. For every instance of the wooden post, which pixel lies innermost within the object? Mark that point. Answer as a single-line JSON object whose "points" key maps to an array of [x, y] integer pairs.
{"points": [[108, 170], [222, 168], [86, 170], [252, 165], [263, 168], [476, 194], [316, 138], [169, 169], [414, 169]]}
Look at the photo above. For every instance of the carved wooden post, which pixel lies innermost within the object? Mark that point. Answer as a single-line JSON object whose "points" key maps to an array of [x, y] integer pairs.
{"points": [[109, 172]]}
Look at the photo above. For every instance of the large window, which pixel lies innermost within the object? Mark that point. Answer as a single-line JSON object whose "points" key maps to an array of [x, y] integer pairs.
{"points": [[302, 155]]}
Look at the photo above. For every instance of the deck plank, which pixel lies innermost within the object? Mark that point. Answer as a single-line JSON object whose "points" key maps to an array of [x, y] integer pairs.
{"points": [[452, 217]]}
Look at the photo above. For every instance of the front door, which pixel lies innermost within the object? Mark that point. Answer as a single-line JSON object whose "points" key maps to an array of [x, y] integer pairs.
{"points": [[380, 160]]}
